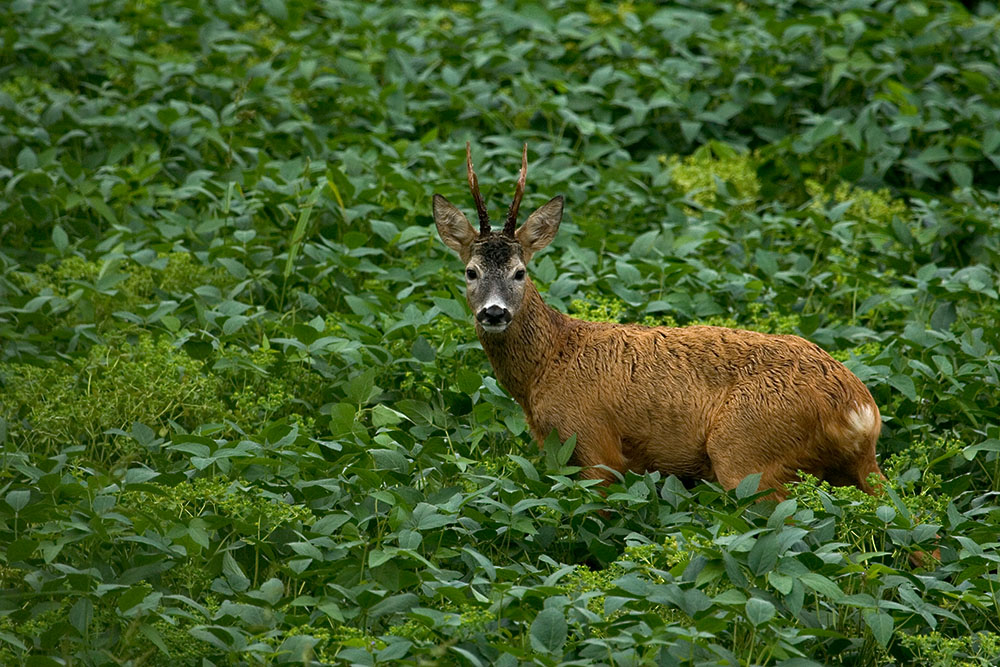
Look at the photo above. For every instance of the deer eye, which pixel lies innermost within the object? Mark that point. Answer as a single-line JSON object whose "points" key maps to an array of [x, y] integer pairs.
{"points": [[519, 274], [471, 274]]}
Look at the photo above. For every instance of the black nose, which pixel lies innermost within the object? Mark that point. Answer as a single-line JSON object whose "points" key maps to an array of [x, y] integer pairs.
{"points": [[494, 315]]}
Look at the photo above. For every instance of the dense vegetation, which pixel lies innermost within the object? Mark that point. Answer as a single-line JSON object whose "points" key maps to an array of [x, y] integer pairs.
{"points": [[243, 412]]}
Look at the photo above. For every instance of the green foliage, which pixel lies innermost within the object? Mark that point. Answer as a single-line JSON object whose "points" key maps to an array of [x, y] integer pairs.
{"points": [[933, 648], [700, 174], [113, 387], [243, 412]]}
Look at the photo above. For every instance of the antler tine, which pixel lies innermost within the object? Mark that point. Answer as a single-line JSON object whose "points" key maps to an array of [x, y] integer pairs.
{"points": [[511, 222], [484, 217]]}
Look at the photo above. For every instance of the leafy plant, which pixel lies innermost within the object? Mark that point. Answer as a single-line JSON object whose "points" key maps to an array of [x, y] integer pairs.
{"points": [[243, 411]]}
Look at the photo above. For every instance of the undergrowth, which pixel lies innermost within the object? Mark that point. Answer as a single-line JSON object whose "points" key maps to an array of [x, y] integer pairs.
{"points": [[244, 415]]}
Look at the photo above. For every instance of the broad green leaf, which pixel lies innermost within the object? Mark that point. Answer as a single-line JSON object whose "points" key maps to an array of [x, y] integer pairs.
{"points": [[393, 604], [759, 611], [904, 383], [18, 499], [59, 239], [549, 631], [81, 615], [821, 585], [961, 174], [276, 9], [881, 625], [989, 445], [748, 486], [383, 415]]}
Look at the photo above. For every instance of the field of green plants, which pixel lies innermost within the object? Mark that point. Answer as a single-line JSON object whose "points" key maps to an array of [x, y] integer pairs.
{"points": [[243, 412]]}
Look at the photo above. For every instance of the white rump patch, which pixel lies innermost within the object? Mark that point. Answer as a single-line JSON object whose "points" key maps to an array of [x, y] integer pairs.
{"points": [[862, 419]]}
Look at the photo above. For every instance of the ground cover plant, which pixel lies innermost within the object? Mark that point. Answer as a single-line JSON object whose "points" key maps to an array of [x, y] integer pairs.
{"points": [[243, 412]]}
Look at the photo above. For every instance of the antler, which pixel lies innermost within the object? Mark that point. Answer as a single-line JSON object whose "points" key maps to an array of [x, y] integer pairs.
{"points": [[508, 227], [484, 217]]}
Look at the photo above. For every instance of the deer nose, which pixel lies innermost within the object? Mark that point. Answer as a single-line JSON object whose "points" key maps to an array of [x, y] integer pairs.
{"points": [[494, 315]]}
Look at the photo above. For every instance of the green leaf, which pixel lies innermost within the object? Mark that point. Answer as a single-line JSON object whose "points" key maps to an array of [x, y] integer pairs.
{"points": [[235, 267], [197, 530], [944, 316], [822, 585], [276, 9], [81, 614], [13, 640], [142, 434], [18, 499], [387, 459], [133, 596], [643, 244], [423, 351], [394, 604], [989, 445], [103, 210], [153, 635], [59, 239], [331, 522], [27, 160], [139, 476], [881, 625], [342, 418], [21, 549], [361, 388], [782, 583], [748, 486], [468, 381], [252, 617], [558, 453], [961, 174], [383, 415], [526, 467], [782, 511], [764, 554], [921, 169], [234, 573], [234, 324], [396, 649], [690, 130], [904, 383], [759, 611], [548, 631], [885, 513]]}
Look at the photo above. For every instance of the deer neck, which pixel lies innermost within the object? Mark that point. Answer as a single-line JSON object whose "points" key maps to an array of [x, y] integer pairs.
{"points": [[519, 354]]}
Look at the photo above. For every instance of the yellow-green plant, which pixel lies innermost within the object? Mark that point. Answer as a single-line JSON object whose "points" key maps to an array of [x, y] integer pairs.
{"points": [[148, 380]]}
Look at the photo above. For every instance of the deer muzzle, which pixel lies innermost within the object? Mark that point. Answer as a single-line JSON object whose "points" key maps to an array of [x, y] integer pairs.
{"points": [[494, 318]]}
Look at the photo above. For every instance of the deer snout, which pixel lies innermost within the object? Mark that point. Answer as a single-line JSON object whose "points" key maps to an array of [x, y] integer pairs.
{"points": [[494, 317]]}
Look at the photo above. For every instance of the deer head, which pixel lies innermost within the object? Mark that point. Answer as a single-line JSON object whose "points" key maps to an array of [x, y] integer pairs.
{"points": [[495, 260]]}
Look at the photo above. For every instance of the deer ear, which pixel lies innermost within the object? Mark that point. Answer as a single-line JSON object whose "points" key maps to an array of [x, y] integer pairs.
{"points": [[540, 227], [453, 227]]}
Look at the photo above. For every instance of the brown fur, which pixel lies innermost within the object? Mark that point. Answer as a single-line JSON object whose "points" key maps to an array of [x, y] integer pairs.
{"points": [[701, 402], [696, 402]]}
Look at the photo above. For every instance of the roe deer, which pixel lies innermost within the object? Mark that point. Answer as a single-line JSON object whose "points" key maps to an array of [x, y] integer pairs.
{"points": [[697, 402]]}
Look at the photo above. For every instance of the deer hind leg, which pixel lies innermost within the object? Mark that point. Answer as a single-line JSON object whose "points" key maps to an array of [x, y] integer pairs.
{"points": [[754, 435], [730, 473]]}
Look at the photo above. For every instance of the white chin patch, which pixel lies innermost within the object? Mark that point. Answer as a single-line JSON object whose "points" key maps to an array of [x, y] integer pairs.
{"points": [[493, 328]]}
